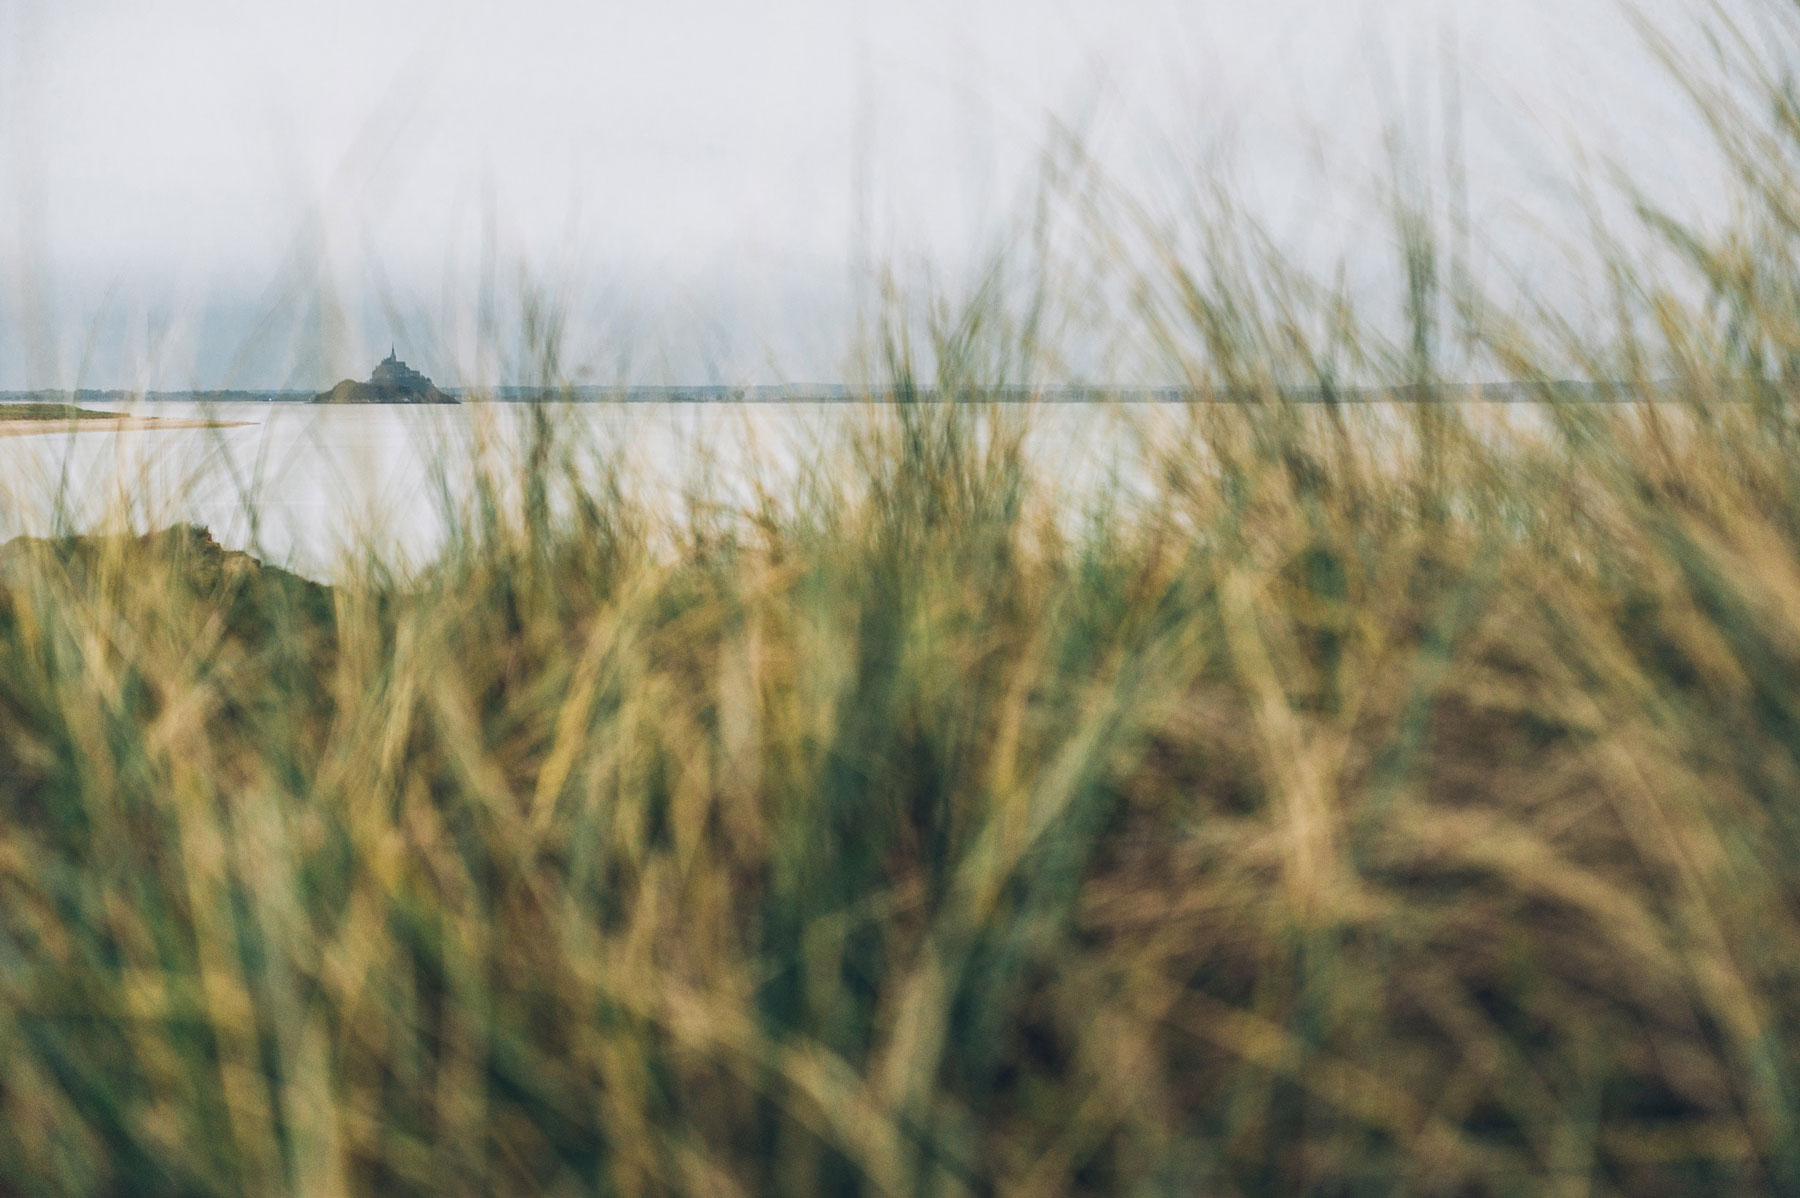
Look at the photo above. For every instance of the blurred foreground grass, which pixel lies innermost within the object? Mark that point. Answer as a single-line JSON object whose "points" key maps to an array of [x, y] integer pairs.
{"points": [[1295, 828], [1366, 803]]}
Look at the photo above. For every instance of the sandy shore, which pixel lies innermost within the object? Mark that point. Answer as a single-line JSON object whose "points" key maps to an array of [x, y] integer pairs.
{"points": [[123, 424]]}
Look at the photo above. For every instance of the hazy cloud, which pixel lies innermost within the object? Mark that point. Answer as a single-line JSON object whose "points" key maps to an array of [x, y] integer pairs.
{"points": [[722, 159]]}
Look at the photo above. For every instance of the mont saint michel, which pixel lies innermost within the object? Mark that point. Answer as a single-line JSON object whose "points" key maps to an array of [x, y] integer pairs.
{"points": [[393, 381]]}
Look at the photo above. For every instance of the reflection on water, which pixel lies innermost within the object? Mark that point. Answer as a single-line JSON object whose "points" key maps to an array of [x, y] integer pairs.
{"points": [[305, 486]]}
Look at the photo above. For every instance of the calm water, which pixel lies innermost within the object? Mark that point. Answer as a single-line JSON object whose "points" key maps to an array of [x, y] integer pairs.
{"points": [[303, 486], [306, 486]]}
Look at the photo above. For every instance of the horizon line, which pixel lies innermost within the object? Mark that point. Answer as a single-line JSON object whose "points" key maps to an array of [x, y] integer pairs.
{"points": [[1471, 392]]}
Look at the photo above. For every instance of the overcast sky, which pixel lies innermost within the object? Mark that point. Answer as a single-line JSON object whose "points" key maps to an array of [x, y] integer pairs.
{"points": [[722, 161]]}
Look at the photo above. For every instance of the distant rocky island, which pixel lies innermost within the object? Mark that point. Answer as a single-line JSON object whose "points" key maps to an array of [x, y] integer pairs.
{"points": [[393, 382]]}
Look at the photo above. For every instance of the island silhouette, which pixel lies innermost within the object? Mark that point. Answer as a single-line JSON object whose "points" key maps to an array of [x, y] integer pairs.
{"points": [[392, 381]]}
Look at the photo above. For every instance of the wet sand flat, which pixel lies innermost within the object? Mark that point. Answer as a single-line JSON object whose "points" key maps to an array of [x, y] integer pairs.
{"points": [[122, 424]]}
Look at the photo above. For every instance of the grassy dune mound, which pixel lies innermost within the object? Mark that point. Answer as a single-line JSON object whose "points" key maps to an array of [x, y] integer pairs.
{"points": [[1296, 825]]}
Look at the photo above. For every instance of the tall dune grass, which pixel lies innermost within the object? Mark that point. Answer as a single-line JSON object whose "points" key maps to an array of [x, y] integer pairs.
{"points": [[1356, 802]]}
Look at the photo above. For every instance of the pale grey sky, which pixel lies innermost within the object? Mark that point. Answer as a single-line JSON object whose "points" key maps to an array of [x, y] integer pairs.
{"points": [[719, 160]]}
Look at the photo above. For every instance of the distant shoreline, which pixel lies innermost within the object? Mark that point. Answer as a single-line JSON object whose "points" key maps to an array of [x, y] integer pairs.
{"points": [[836, 393]]}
